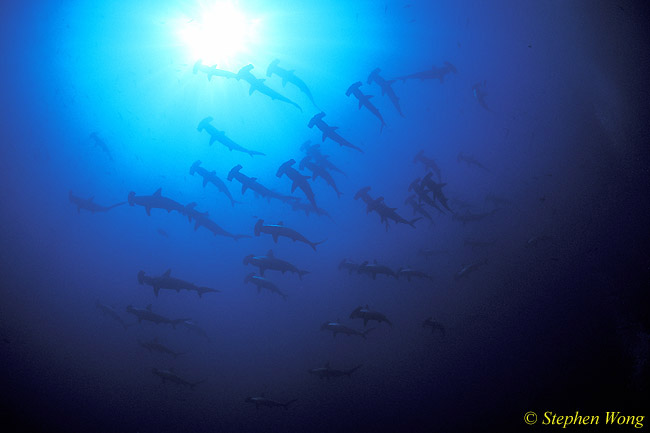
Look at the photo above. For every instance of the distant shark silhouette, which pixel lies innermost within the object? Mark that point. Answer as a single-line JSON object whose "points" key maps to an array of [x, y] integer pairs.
{"points": [[220, 136], [364, 101], [288, 76]]}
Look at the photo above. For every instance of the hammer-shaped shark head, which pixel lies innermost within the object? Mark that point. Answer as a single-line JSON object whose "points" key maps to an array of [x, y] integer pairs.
{"points": [[363, 192], [373, 75], [258, 227], [304, 147], [356, 312], [283, 168], [249, 277], [197, 65], [272, 67], [316, 118], [234, 171], [195, 166], [204, 123], [247, 259], [353, 87]]}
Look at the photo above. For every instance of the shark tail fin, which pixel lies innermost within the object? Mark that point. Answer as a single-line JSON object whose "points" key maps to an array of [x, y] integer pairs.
{"points": [[314, 244]]}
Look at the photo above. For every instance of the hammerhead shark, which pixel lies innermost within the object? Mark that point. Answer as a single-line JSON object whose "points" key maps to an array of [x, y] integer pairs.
{"points": [[374, 268], [155, 346], [389, 213], [277, 230], [211, 177], [319, 171], [422, 195], [211, 71], [220, 136], [313, 152], [417, 207], [166, 281], [429, 163], [412, 273], [431, 74], [364, 101], [101, 144], [171, 376], [298, 180], [330, 131], [308, 208], [270, 262], [288, 76], [367, 314], [258, 84], [146, 314], [386, 88], [263, 283], [202, 219], [435, 326], [338, 328], [329, 373], [155, 201], [263, 401], [436, 190], [89, 204], [259, 189]]}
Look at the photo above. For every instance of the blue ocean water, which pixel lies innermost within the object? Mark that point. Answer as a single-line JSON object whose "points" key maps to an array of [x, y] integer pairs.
{"points": [[531, 254]]}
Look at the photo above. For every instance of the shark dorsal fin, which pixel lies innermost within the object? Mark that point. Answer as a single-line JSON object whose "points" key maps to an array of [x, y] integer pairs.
{"points": [[280, 223], [167, 273], [157, 193], [270, 253], [91, 198], [149, 307]]}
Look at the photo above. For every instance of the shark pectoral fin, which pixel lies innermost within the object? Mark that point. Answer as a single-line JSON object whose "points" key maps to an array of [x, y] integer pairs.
{"points": [[251, 90], [156, 290], [148, 209], [294, 186], [205, 181], [275, 238]]}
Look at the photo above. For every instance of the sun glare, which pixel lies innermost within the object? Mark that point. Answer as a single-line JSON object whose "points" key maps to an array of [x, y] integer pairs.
{"points": [[218, 33]]}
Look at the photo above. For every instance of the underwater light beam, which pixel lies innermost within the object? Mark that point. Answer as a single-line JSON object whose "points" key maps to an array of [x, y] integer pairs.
{"points": [[219, 33]]}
